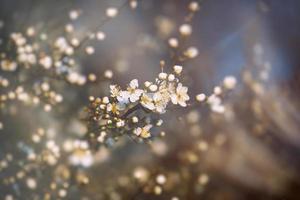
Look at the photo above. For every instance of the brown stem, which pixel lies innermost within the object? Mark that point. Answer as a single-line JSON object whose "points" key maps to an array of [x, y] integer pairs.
{"points": [[131, 110]]}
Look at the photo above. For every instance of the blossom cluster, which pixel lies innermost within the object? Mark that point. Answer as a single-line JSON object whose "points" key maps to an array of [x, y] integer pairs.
{"points": [[215, 99], [120, 113], [35, 65]]}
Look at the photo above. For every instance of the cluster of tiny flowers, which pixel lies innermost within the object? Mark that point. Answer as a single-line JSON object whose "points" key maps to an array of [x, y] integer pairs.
{"points": [[43, 150], [154, 96], [215, 100], [121, 111], [35, 61]]}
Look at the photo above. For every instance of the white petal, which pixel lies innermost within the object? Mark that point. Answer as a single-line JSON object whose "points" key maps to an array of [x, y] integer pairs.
{"points": [[109, 107], [174, 99], [148, 127], [184, 89], [134, 98], [150, 106], [139, 92], [157, 96], [187, 97], [134, 83], [182, 103], [137, 131]]}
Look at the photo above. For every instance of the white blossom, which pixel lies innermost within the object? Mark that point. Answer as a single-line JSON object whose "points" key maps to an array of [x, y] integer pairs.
{"points": [[114, 90], [177, 69], [133, 92], [143, 132], [147, 101], [229, 82], [181, 96], [161, 100]]}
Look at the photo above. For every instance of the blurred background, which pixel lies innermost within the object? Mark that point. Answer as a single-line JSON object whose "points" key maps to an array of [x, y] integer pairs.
{"points": [[251, 151]]}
